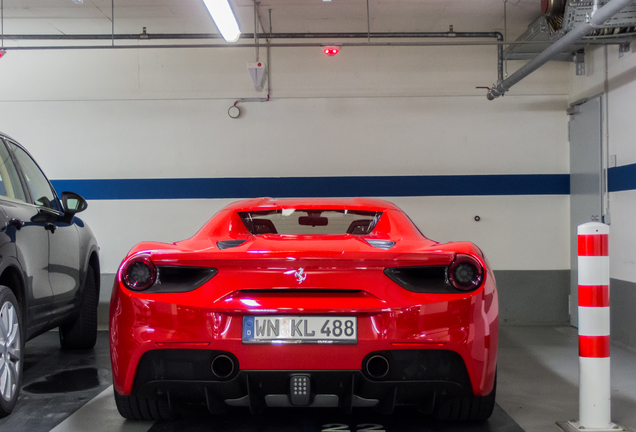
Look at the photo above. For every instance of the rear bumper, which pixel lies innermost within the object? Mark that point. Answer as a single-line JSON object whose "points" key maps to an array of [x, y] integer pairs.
{"points": [[463, 326], [414, 377]]}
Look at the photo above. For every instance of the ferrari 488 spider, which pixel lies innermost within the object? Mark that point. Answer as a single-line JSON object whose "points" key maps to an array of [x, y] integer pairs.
{"points": [[305, 303]]}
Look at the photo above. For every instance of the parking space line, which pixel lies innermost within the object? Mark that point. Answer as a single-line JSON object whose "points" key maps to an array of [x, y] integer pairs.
{"points": [[100, 415]]}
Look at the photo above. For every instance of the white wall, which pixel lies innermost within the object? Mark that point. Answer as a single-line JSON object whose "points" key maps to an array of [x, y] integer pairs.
{"points": [[622, 143], [621, 99], [151, 113]]}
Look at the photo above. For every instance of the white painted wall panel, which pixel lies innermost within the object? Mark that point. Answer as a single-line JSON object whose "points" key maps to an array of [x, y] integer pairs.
{"points": [[199, 73], [190, 16], [621, 73], [69, 75], [622, 244], [590, 84], [621, 99], [403, 71], [515, 232], [113, 114], [293, 137], [622, 86]]}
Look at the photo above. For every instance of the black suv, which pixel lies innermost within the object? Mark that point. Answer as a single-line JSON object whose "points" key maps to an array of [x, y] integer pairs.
{"points": [[49, 266]]}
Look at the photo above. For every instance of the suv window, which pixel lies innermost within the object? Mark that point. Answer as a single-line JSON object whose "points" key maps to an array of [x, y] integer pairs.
{"points": [[10, 185], [39, 186]]}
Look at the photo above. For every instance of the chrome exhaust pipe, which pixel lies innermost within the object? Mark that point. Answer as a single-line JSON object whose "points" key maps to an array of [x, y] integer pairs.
{"points": [[377, 366], [222, 366]]}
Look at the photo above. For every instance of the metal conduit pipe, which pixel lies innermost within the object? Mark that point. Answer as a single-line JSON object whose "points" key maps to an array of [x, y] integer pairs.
{"points": [[500, 58], [614, 41], [357, 35], [146, 36], [598, 18]]}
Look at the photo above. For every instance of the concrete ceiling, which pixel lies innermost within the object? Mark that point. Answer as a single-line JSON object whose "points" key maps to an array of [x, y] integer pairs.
{"points": [[190, 16]]}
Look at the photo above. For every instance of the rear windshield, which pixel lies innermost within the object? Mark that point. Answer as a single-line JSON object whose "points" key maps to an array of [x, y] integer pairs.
{"points": [[302, 222]]}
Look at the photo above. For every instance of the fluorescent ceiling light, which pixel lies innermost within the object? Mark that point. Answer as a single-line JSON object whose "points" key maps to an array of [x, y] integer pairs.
{"points": [[224, 19]]}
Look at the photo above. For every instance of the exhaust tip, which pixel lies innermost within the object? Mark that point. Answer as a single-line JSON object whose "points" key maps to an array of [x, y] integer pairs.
{"points": [[222, 366], [377, 366]]}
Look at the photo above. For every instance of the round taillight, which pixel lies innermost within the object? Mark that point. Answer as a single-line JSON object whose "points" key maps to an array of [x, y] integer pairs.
{"points": [[139, 273], [465, 273]]}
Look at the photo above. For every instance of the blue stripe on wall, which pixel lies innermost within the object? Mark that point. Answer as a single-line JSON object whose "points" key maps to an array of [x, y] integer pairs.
{"points": [[622, 178], [284, 187]]}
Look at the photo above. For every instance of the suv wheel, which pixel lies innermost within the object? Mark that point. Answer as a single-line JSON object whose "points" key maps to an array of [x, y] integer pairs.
{"points": [[11, 344]]}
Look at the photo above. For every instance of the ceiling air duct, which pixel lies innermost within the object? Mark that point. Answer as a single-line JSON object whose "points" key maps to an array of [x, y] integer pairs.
{"points": [[552, 7]]}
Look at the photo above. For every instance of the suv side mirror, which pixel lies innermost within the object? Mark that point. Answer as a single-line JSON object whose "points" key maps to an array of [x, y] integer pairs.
{"points": [[73, 203]]}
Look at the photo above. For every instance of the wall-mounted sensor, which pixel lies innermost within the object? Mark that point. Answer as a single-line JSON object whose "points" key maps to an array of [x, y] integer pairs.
{"points": [[258, 73], [477, 218], [234, 111]]}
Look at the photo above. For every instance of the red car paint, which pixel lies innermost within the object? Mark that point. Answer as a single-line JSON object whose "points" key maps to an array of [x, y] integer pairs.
{"points": [[262, 270]]}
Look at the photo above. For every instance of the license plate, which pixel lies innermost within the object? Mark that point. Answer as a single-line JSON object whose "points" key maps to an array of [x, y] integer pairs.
{"points": [[300, 329]]}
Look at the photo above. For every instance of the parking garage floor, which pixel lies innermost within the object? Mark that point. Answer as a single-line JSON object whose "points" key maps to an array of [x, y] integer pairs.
{"points": [[537, 386]]}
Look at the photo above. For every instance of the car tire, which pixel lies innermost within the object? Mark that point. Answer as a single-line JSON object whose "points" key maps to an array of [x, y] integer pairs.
{"points": [[133, 408], [471, 408], [82, 333], [11, 349]]}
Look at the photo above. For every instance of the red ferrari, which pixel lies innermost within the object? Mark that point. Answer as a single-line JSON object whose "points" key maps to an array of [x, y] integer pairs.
{"points": [[305, 303]]}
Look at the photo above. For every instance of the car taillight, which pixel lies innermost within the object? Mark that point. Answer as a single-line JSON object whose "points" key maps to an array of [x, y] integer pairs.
{"points": [[139, 273], [421, 279], [182, 278], [465, 273]]}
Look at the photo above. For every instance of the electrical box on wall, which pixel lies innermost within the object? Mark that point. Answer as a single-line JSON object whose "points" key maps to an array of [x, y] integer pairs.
{"points": [[258, 73]]}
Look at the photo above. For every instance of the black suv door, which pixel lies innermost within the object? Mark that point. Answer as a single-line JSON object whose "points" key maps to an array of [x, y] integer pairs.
{"points": [[25, 238], [63, 238]]}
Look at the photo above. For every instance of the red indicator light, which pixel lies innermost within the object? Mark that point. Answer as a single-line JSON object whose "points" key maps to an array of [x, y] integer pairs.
{"points": [[331, 50], [2, 53]]}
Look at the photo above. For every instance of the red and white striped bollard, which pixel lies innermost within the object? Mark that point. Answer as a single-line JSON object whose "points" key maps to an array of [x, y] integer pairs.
{"points": [[594, 326], [594, 330]]}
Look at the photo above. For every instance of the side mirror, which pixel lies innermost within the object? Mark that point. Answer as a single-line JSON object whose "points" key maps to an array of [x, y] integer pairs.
{"points": [[73, 203]]}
